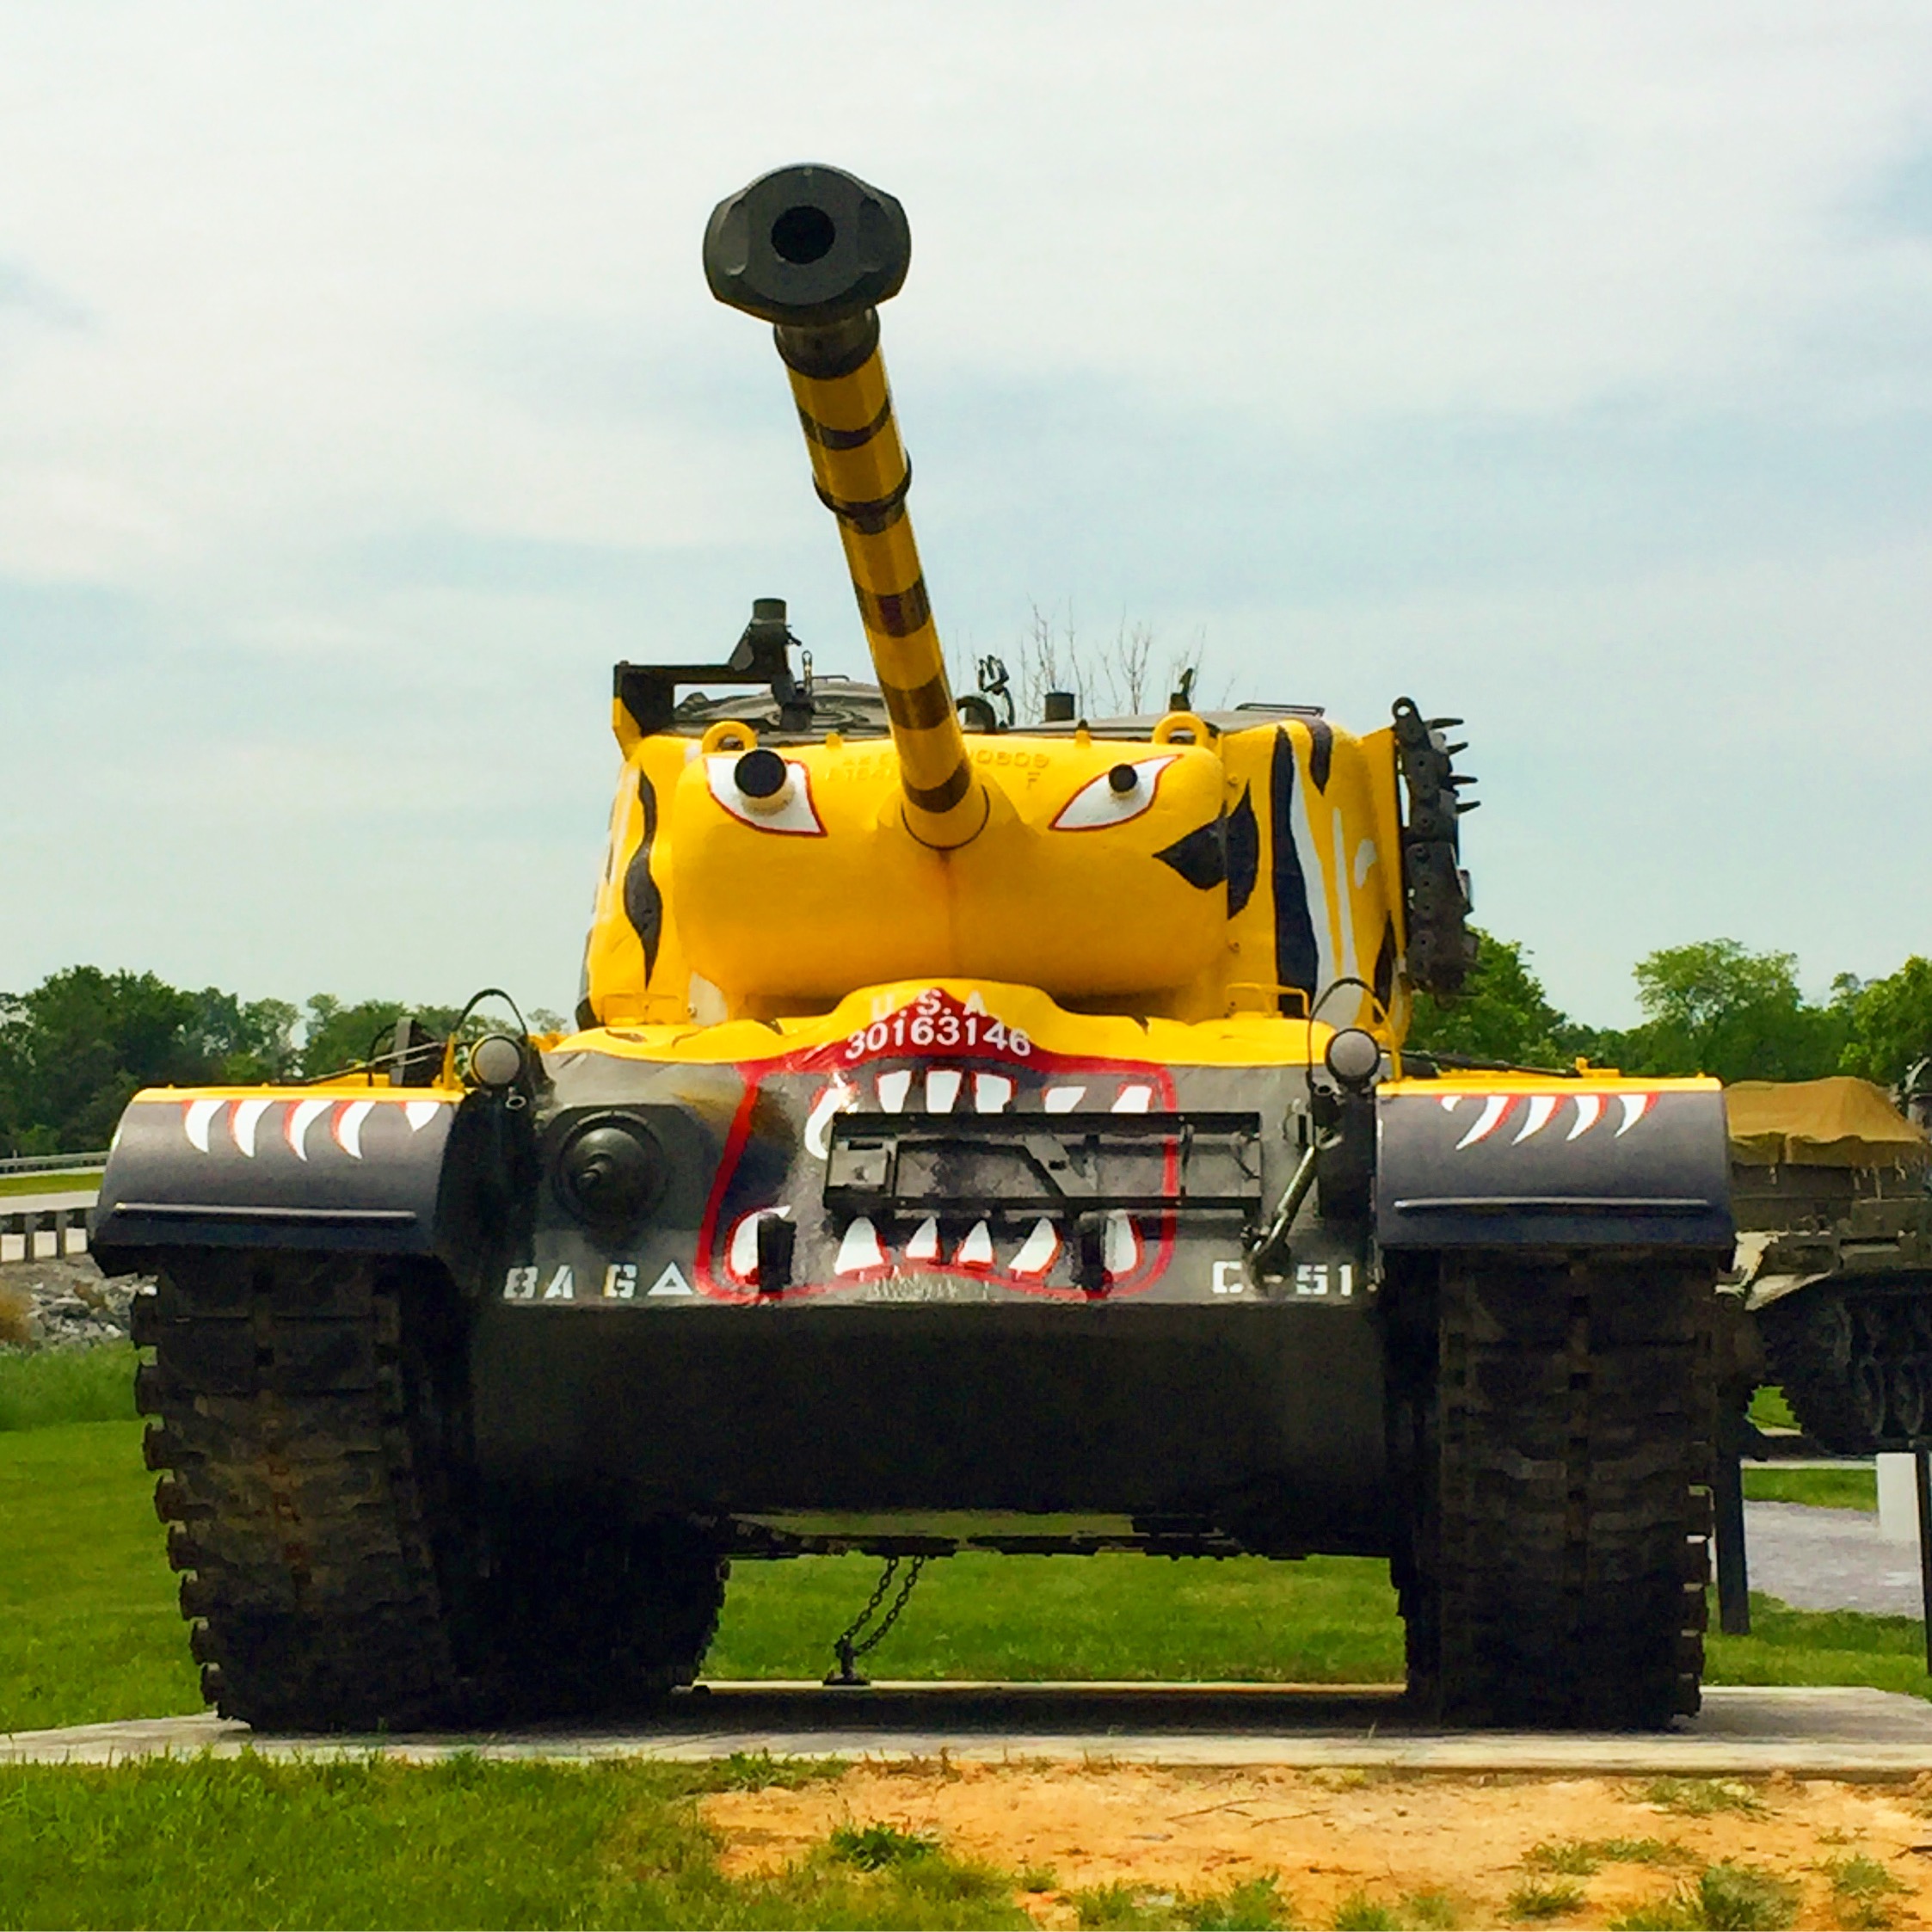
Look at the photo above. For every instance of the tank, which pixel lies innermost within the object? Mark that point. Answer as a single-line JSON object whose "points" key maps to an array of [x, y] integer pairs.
{"points": [[972, 1138], [1834, 1210]]}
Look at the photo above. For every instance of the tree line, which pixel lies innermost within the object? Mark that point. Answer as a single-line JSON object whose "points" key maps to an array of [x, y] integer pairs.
{"points": [[76, 1048], [1711, 1007]]}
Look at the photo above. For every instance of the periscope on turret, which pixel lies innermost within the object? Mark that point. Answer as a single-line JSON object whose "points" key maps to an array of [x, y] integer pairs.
{"points": [[992, 1137]]}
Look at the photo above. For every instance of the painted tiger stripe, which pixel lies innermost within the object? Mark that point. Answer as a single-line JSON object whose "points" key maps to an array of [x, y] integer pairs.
{"points": [[897, 613], [942, 797], [919, 708], [868, 518], [827, 437]]}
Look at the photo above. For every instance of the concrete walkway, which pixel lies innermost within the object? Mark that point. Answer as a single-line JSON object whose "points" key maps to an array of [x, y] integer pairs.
{"points": [[1832, 1733], [1830, 1559]]}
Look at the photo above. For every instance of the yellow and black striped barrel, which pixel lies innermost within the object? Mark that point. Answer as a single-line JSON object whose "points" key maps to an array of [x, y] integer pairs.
{"points": [[813, 249]]}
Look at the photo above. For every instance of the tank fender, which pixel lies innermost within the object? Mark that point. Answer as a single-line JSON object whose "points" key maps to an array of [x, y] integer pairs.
{"points": [[393, 1171], [1575, 1163]]}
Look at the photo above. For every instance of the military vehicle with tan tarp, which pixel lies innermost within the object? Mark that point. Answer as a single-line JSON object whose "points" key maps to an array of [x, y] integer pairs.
{"points": [[988, 1138], [1829, 1185]]}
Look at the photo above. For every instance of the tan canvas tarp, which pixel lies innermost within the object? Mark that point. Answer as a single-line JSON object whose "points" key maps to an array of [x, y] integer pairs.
{"points": [[1838, 1123]]}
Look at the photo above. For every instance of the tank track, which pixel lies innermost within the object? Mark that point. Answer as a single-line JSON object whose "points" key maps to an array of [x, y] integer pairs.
{"points": [[1854, 1361], [1552, 1425], [342, 1568]]}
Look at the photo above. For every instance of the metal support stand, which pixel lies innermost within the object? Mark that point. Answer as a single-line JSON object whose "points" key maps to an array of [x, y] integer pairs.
{"points": [[1727, 1497], [1922, 1458]]}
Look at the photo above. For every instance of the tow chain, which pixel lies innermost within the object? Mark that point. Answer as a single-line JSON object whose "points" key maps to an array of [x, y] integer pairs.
{"points": [[848, 1647]]}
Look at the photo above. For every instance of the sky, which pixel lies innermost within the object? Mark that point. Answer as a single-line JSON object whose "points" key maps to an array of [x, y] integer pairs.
{"points": [[361, 401]]}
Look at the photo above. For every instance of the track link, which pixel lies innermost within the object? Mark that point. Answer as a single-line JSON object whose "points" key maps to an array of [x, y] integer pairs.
{"points": [[307, 1485], [341, 1568], [1555, 1429]]}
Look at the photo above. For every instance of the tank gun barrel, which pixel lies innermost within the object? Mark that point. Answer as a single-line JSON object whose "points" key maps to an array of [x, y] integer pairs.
{"points": [[813, 251]]}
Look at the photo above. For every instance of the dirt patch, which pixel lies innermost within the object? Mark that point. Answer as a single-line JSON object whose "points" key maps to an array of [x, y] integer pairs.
{"points": [[1334, 1835]]}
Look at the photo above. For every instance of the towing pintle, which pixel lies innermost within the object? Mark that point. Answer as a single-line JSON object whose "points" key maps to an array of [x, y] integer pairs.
{"points": [[813, 251]]}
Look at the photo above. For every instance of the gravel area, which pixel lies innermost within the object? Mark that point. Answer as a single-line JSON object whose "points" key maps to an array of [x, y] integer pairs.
{"points": [[1830, 1559], [65, 1303]]}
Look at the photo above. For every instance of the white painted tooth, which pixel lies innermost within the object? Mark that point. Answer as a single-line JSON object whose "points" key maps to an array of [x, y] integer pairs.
{"points": [[301, 1118], [346, 1127], [1064, 1099], [942, 1089], [991, 1092], [420, 1113], [860, 1250], [834, 1099], [1135, 1099], [742, 1257], [1494, 1107], [197, 1117], [1589, 1111], [1037, 1250], [1120, 1250], [248, 1117], [976, 1250], [1536, 1117], [893, 1089], [1451, 1102], [1635, 1106], [925, 1243]]}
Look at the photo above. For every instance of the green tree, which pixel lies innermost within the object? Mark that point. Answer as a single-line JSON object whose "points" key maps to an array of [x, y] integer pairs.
{"points": [[335, 1036], [1502, 1013], [75, 1051], [1716, 1007], [1888, 1022]]}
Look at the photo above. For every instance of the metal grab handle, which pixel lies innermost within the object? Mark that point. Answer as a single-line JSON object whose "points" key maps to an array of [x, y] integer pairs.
{"points": [[1275, 1237]]}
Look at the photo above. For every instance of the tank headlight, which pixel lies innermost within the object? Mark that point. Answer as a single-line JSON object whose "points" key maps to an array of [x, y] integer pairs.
{"points": [[763, 779], [1354, 1057], [497, 1061], [610, 1171]]}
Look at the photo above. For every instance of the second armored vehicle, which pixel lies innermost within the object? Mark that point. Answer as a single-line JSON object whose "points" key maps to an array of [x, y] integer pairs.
{"points": [[1829, 1187]]}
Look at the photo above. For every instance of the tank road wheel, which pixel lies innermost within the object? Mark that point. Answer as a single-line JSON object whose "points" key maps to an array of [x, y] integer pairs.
{"points": [[1824, 1353], [314, 1434], [602, 1614], [1553, 1428]]}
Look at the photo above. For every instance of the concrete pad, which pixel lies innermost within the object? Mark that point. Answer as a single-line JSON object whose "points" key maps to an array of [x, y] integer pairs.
{"points": [[1743, 1732]]}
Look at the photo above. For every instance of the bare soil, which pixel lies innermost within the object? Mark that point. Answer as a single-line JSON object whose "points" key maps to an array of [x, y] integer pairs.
{"points": [[1332, 1834]]}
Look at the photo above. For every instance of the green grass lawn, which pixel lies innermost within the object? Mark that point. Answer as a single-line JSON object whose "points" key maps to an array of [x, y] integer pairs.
{"points": [[246, 1842], [63, 1180], [90, 1631], [89, 1625], [1833, 1489], [66, 1385]]}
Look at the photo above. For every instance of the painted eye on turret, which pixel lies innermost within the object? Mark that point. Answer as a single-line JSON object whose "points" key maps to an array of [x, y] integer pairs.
{"points": [[1123, 792], [763, 791]]}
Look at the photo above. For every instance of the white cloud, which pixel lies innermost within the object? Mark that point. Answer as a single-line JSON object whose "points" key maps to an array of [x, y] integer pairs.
{"points": [[361, 360]]}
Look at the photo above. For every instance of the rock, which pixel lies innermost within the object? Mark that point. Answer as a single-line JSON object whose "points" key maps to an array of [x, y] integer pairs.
{"points": [[64, 1302]]}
